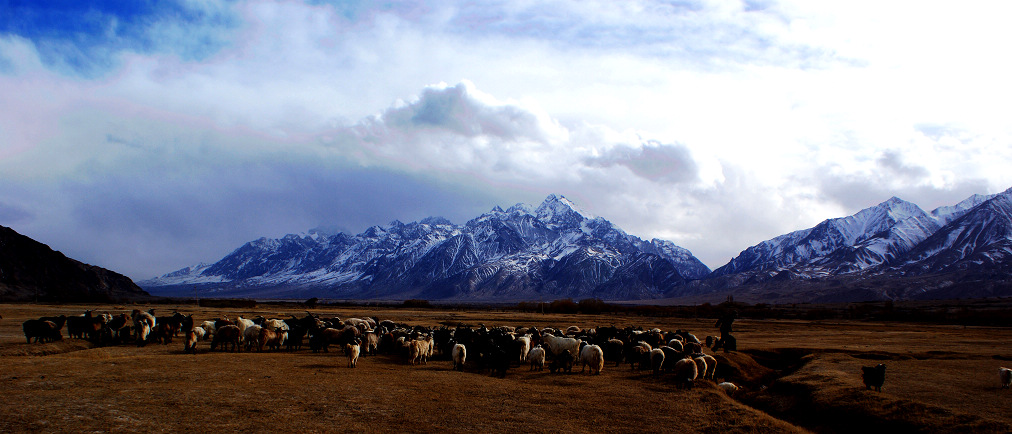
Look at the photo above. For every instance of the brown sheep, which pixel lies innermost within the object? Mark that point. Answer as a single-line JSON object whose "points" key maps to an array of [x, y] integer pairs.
{"points": [[227, 335]]}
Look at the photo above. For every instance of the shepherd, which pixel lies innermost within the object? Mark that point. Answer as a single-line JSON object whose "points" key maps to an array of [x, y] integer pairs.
{"points": [[728, 342]]}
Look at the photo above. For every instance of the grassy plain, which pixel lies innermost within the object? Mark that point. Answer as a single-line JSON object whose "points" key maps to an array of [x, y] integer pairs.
{"points": [[799, 375]]}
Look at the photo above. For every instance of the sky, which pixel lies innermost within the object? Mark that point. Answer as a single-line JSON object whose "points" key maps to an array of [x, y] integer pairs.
{"points": [[146, 136]]}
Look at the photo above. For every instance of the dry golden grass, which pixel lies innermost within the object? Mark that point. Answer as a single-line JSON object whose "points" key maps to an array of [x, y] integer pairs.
{"points": [[941, 376]]}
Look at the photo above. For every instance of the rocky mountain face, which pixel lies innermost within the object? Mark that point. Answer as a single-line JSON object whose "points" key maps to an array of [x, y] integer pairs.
{"points": [[522, 253], [893, 250], [30, 271]]}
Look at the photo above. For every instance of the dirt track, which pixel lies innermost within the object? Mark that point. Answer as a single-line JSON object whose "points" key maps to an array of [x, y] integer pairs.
{"points": [[71, 386]]}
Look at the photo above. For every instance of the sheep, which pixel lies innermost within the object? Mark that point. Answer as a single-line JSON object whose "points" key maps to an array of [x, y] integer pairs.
{"points": [[142, 330], [275, 324], [562, 362], [670, 354], [321, 339], [524, 345], [711, 366], [686, 372], [162, 333], [613, 351], [459, 356], [209, 326], [76, 325], [728, 387], [677, 345], [273, 339], [536, 356], [1005, 374], [144, 324], [873, 376], [556, 345], [120, 327], [250, 336], [418, 352], [593, 356], [193, 336], [639, 356], [352, 350], [700, 365], [244, 324], [656, 360], [227, 334], [41, 331], [371, 340]]}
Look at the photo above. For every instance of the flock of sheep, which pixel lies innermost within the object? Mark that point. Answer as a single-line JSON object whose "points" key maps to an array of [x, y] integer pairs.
{"points": [[495, 350], [678, 353]]}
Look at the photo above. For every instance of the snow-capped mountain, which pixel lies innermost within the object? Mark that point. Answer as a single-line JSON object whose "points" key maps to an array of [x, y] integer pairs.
{"points": [[979, 240], [893, 250], [946, 214], [846, 244], [551, 251]]}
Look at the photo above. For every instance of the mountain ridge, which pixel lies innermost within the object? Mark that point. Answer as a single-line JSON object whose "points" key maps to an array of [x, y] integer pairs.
{"points": [[549, 251]]}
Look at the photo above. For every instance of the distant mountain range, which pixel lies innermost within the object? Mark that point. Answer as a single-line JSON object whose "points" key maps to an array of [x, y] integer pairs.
{"points": [[894, 250], [31, 271], [522, 253]]}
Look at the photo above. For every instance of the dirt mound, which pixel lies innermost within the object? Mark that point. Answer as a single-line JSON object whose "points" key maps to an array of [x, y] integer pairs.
{"points": [[824, 396], [44, 349], [741, 369]]}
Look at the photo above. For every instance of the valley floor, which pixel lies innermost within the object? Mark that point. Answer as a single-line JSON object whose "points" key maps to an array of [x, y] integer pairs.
{"points": [[939, 378]]}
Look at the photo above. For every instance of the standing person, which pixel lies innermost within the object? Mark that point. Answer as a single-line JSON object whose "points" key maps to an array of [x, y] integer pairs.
{"points": [[728, 342]]}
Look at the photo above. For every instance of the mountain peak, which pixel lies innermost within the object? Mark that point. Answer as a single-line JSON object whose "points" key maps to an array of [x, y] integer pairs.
{"points": [[558, 209], [435, 221]]}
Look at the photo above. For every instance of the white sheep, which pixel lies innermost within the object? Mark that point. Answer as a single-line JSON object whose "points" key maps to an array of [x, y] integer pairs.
{"points": [[459, 356], [686, 372], [244, 324], [1005, 374], [592, 355], [536, 356], [524, 342], [193, 336], [209, 328], [353, 350], [728, 387], [657, 360], [275, 324], [251, 335], [557, 345]]}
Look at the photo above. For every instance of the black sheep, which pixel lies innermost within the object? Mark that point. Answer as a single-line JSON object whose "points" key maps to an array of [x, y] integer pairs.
{"points": [[873, 376]]}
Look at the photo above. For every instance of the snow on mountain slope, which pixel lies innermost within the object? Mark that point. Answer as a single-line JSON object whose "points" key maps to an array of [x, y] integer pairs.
{"points": [[946, 214], [815, 244], [980, 240], [554, 249]]}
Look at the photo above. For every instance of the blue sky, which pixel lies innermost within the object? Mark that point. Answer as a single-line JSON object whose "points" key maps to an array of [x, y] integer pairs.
{"points": [[148, 136]]}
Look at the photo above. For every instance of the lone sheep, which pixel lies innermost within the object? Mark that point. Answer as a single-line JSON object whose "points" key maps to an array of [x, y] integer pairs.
{"points": [[1006, 377], [353, 349], [873, 376], [459, 356], [727, 387]]}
